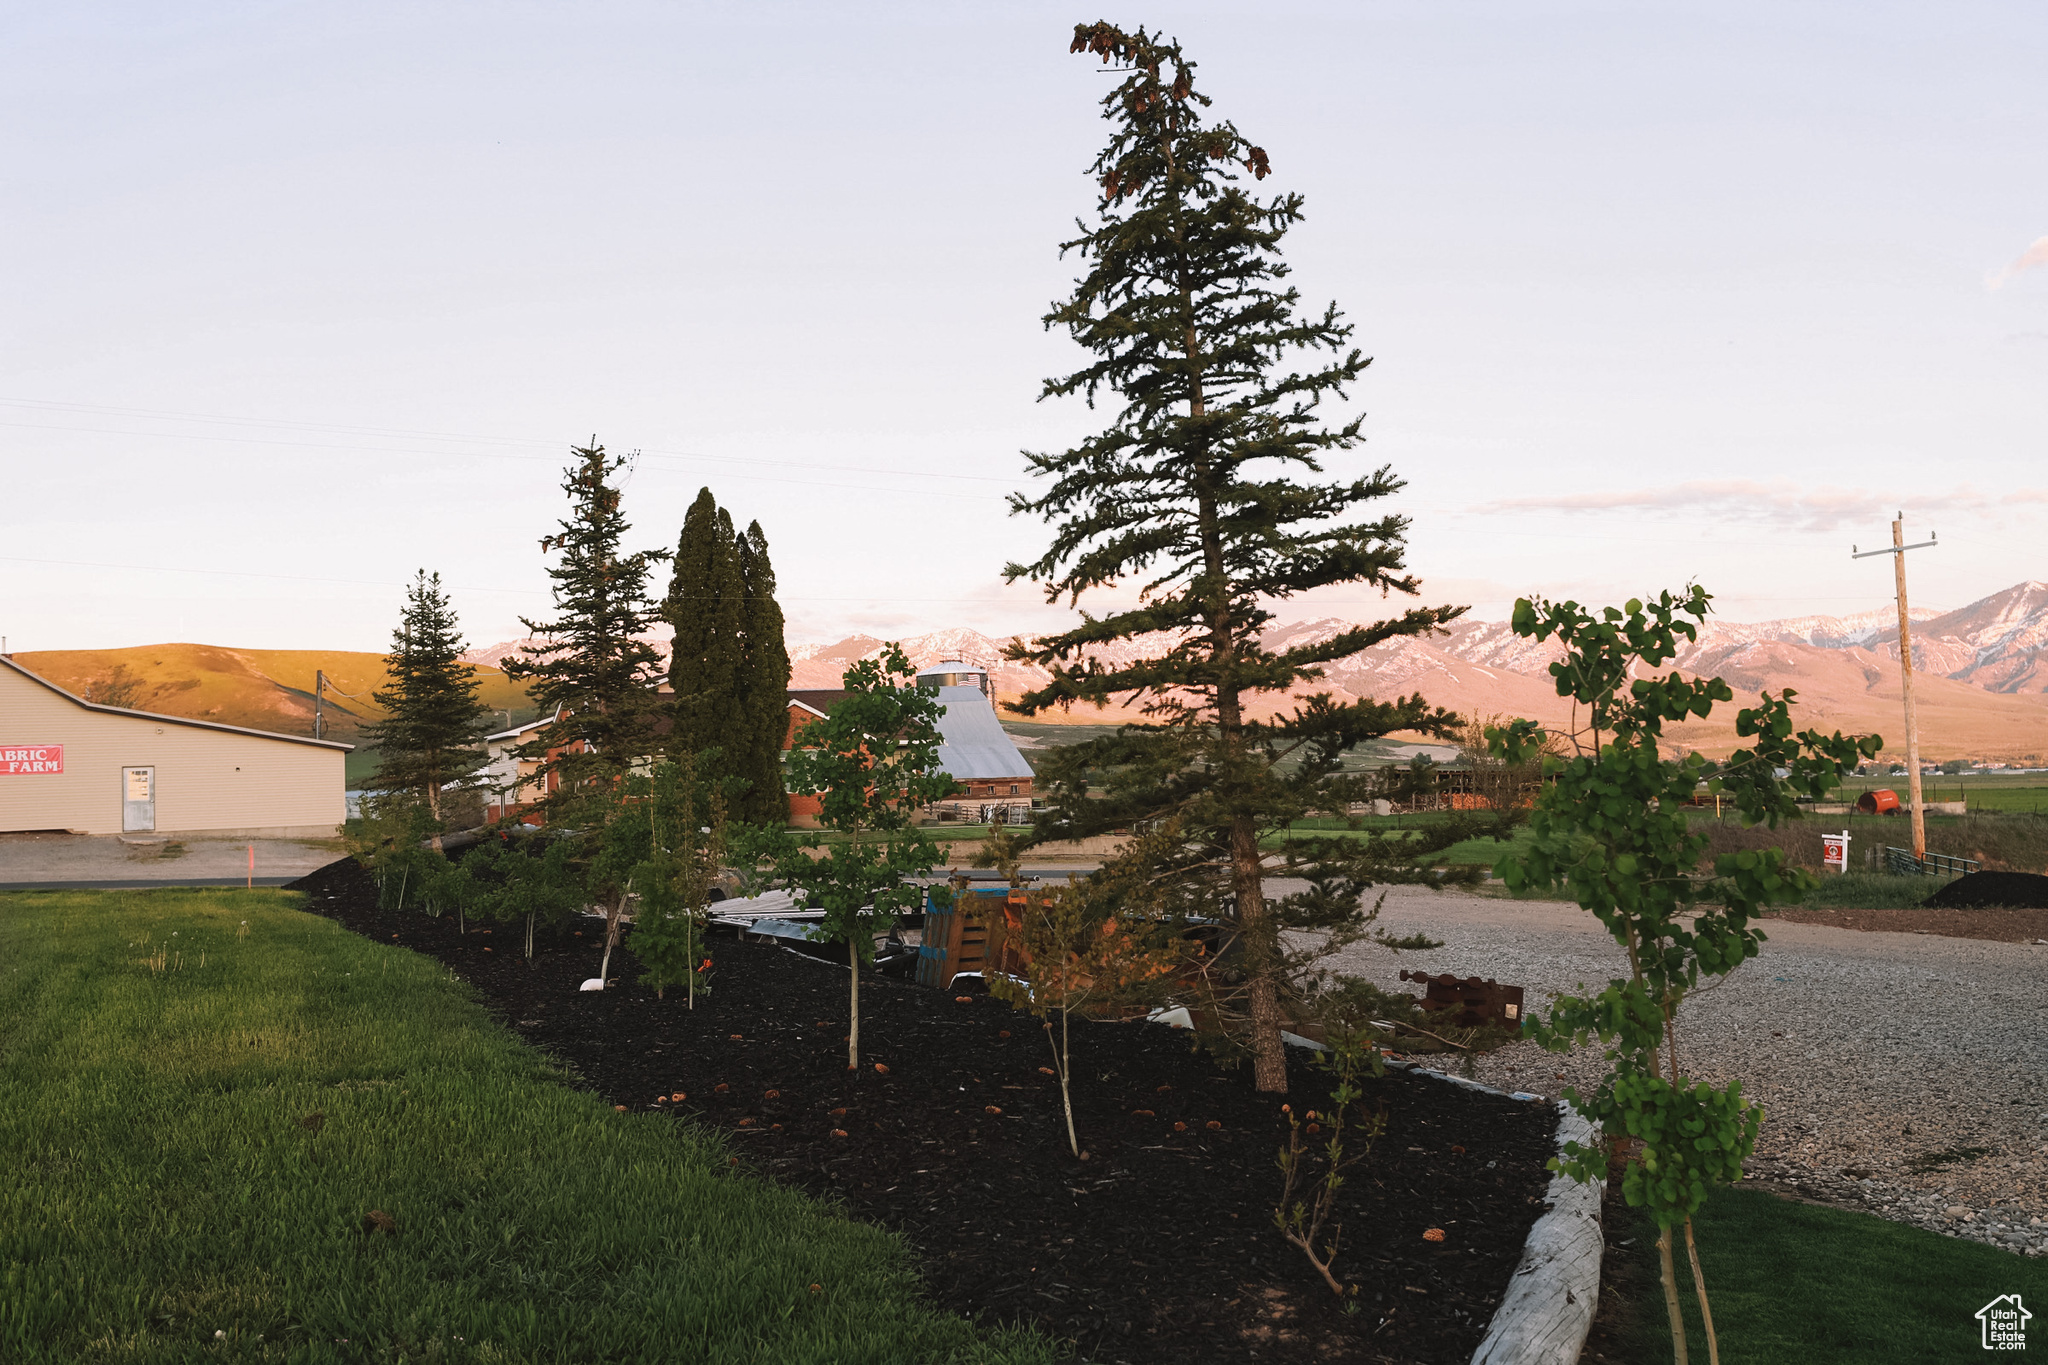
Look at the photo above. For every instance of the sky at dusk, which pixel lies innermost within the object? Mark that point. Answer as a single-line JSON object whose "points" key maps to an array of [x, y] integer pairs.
{"points": [[298, 299]]}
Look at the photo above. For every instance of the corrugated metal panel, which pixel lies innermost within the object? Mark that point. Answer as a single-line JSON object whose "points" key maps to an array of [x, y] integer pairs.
{"points": [[207, 777], [974, 747]]}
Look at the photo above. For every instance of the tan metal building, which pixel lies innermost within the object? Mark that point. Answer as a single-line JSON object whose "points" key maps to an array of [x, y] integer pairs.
{"points": [[69, 764]]}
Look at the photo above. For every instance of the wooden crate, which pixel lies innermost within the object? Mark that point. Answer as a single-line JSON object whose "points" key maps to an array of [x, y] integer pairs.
{"points": [[956, 936]]}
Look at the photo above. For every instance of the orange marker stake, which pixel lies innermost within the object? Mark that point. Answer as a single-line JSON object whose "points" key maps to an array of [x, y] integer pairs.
{"points": [[252, 867]]}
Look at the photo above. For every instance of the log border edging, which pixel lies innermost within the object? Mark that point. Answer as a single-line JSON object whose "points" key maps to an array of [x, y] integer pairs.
{"points": [[1551, 1298], [1548, 1310]]}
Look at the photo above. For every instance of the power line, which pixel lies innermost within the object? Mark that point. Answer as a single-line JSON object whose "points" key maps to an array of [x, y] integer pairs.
{"points": [[382, 433]]}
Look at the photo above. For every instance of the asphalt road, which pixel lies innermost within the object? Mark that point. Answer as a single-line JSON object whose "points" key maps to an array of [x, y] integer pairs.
{"points": [[76, 862]]}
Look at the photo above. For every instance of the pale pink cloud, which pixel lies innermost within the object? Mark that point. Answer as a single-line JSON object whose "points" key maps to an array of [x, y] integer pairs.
{"points": [[2037, 254], [1778, 503]]}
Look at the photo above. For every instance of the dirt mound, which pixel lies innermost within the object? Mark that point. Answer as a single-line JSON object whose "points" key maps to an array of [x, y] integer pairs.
{"points": [[2020, 890]]}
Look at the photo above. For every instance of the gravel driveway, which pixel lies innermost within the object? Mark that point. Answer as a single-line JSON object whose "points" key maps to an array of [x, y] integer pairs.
{"points": [[1902, 1073]]}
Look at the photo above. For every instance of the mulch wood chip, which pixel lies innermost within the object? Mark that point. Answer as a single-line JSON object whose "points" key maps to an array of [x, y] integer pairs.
{"points": [[1994, 923], [1159, 1247]]}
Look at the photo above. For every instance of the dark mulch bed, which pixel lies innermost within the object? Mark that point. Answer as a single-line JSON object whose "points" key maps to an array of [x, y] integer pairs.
{"points": [[1160, 1247], [1996, 924], [2017, 890]]}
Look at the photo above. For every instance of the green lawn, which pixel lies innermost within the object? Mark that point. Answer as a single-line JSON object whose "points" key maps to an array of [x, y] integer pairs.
{"points": [[1873, 891], [1798, 1284], [359, 765], [164, 1198], [1484, 852]]}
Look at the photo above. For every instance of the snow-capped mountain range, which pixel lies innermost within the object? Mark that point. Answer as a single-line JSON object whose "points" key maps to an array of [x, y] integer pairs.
{"points": [[1984, 667]]}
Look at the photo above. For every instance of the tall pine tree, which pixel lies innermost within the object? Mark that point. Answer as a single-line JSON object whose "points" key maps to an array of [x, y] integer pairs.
{"points": [[591, 669], [730, 667], [764, 685], [432, 732], [1198, 493]]}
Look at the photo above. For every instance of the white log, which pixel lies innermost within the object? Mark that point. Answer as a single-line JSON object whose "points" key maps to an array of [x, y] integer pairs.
{"points": [[1550, 1301]]}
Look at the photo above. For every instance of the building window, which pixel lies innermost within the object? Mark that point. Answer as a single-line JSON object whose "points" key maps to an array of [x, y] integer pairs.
{"points": [[1013, 789]]}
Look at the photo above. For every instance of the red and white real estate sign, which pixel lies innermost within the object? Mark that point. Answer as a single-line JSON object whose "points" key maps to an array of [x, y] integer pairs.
{"points": [[31, 758]]}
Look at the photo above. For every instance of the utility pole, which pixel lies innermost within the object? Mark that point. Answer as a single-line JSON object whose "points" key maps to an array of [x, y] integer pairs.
{"points": [[321, 682], [1898, 553]]}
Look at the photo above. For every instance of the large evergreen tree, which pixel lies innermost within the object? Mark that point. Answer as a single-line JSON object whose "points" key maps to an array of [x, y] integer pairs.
{"points": [[592, 670], [432, 732], [730, 667], [764, 685], [706, 604], [1199, 493]]}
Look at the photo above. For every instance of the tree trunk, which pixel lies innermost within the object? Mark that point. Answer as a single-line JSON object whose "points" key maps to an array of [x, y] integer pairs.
{"points": [[1269, 1055], [434, 810], [1066, 1071], [1699, 1283], [529, 936], [611, 938], [1679, 1354], [853, 1029]]}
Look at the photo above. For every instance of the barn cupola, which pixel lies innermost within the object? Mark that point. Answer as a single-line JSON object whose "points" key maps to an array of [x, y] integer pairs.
{"points": [[954, 673]]}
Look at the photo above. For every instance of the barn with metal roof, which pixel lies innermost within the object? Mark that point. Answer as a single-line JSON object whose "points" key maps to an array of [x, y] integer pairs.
{"points": [[974, 749]]}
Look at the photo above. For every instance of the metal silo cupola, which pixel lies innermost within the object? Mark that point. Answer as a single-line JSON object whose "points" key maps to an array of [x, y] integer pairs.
{"points": [[954, 673]]}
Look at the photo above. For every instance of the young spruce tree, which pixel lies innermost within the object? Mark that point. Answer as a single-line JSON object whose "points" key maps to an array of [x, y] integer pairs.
{"points": [[1198, 493], [592, 670], [432, 732]]}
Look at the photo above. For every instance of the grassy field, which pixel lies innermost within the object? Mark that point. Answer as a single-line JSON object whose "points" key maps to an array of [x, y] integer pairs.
{"points": [[1873, 891], [1982, 791], [1484, 852], [1799, 1284], [205, 1094], [359, 765]]}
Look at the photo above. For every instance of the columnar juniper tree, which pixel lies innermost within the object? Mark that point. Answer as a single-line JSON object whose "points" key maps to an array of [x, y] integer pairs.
{"points": [[764, 686], [592, 671], [730, 666], [432, 732], [1610, 827], [707, 605], [1198, 495]]}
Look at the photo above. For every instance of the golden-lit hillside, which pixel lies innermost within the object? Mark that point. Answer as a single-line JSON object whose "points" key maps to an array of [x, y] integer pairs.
{"points": [[262, 689]]}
